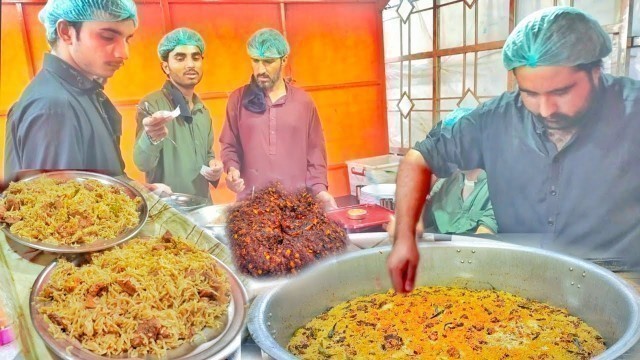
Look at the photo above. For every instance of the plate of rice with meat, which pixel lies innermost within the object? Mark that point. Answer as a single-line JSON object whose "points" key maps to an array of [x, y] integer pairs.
{"points": [[71, 211], [151, 298]]}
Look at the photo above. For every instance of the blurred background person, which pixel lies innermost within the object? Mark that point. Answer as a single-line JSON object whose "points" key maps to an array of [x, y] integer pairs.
{"points": [[459, 204]]}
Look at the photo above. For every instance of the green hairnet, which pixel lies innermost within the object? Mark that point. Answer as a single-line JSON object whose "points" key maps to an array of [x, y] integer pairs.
{"points": [[85, 10], [181, 36], [556, 36], [267, 44]]}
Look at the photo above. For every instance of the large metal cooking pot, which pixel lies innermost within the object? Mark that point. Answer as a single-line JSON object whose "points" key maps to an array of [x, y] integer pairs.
{"points": [[588, 291]]}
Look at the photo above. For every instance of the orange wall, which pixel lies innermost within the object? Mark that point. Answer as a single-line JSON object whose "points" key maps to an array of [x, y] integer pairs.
{"points": [[336, 56]]}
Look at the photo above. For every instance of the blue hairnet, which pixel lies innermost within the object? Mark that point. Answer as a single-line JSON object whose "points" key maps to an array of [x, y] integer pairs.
{"points": [[455, 115], [85, 10], [556, 36], [177, 37], [267, 44]]}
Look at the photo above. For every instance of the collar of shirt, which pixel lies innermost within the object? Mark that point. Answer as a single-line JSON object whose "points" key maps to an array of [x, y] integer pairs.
{"points": [[481, 177], [282, 100], [178, 99], [198, 105], [76, 79], [69, 74]]}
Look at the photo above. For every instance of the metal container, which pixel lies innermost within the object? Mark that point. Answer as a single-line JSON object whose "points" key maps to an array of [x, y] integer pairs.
{"points": [[588, 291], [218, 347], [80, 176], [185, 202], [213, 219], [382, 194]]}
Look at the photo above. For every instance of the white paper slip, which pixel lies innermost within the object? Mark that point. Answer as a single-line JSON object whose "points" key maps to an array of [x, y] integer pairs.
{"points": [[204, 169], [176, 112], [172, 114]]}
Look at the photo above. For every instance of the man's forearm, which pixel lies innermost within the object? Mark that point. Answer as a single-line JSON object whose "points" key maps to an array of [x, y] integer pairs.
{"points": [[412, 186]]}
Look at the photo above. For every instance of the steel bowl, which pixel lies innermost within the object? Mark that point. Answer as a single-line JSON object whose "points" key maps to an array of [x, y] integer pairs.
{"points": [[214, 347], [213, 219], [594, 294], [185, 202], [80, 176]]}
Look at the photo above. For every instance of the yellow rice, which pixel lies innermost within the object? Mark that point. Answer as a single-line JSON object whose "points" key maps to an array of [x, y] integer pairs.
{"points": [[68, 212], [169, 275], [446, 323]]}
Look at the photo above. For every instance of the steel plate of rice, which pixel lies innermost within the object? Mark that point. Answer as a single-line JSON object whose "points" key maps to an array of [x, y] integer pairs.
{"points": [[145, 298], [67, 212]]}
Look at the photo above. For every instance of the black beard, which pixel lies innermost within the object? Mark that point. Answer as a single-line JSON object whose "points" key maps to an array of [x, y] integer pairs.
{"points": [[569, 122], [565, 122], [272, 82]]}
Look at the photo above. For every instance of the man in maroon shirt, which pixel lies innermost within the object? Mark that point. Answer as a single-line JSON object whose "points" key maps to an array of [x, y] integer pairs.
{"points": [[272, 131]]}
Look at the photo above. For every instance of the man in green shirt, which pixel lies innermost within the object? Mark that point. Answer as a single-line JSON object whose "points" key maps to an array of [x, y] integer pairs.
{"points": [[460, 203], [177, 151]]}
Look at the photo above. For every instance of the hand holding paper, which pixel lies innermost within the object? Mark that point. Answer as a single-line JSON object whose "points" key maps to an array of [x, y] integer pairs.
{"points": [[213, 171], [169, 115], [155, 124]]}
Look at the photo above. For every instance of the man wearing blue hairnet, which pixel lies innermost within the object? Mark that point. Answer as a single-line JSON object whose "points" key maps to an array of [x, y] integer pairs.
{"points": [[63, 119], [178, 151], [560, 153], [272, 130]]}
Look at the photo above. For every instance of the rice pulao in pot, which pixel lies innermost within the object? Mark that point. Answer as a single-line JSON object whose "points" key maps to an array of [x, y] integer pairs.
{"points": [[596, 295]]}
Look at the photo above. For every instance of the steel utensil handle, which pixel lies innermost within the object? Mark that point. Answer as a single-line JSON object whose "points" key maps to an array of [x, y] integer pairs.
{"points": [[358, 191], [388, 203]]}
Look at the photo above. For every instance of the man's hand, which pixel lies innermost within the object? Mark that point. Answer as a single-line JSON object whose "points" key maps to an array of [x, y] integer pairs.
{"points": [[234, 182], [484, 230], [402, 264], [214, 172], [155, 126], [327, 201], [412, 186], [159, 189]]}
